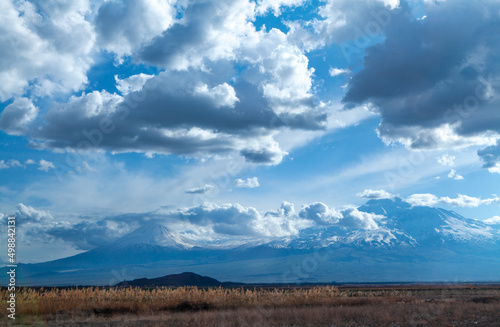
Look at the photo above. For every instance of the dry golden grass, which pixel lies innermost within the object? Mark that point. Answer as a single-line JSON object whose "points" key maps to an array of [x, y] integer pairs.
{"points": [[315, 306]]}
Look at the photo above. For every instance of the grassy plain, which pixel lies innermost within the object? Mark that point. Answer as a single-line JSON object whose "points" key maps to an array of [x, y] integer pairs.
{"points": [[407, 305]]}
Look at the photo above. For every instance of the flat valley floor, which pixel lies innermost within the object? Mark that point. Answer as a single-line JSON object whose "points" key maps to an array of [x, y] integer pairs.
{"points": [[356, 305]]}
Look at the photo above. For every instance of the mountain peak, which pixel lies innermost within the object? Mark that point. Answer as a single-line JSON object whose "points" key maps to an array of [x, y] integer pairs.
{"points": [[430, 225], [385, 206], [155, 235]]}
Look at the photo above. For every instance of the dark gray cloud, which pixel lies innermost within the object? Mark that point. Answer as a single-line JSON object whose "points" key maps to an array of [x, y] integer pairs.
{"points": [[434, 72], [200, 190], [88, 235], [171, 47], [262, 155], [375, 194], [84, 235], [17, 116], [491, 157], [185, 113]]}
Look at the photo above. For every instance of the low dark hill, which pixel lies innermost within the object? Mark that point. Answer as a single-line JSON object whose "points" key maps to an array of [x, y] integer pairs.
{"points": [[176, 280]]}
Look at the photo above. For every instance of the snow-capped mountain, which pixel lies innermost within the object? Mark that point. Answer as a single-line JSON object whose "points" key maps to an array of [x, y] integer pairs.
{"points": [[153, 235], [427, 225], [411, 243], [402, 225]]}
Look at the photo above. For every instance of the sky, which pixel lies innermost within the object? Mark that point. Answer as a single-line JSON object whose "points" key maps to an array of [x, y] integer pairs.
{"points": [[236, 119]]}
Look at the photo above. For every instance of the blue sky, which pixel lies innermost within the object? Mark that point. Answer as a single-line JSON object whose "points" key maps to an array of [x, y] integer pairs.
{"points": [[118, 113]]}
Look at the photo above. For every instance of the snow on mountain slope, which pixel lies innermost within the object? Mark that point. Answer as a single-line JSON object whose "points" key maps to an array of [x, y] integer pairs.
{"points": [[468, 229], [335, 236], [428, 225], [154, 235]]}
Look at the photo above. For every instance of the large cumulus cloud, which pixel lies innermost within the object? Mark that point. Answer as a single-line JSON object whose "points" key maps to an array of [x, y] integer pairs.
{"points": [[175, 113], [435, 81], [351, 217]]}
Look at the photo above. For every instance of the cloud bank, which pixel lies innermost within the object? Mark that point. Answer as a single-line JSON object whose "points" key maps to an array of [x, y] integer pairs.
{"points": [[461, 200], [435, 90]]}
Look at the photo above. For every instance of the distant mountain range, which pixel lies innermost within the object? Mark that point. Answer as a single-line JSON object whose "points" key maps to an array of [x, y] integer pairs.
{"points": [[411, 243]]}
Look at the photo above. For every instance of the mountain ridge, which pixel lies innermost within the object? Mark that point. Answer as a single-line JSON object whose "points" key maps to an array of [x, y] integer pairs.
{"points": [[411, 242], [174, 280]]}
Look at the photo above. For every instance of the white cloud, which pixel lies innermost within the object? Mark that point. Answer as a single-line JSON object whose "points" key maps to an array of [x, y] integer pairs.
{"points": [[423, 199], [222, 95], [338, 71], [353, 218], [28, 214], [30, 162], [348, 218], [275, 5], [132, 83], [234, 219], [320, 213], [353, 20], [123, 26], [460, 201], [287, 208], [200, 190], [375, 194], [46, 47], [84, 167], [266, 151], [45, 165], [208, 31], [15, 163], [443, 137], [11, 163], [248, 183], [446, 160], [492, 221], [464, 201], [287, 78], [495, 168], [426, 199], [453, 174]]}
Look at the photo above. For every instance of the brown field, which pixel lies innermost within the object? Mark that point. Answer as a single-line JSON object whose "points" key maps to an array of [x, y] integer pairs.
{"points": [[465, 305]]}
